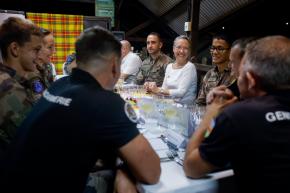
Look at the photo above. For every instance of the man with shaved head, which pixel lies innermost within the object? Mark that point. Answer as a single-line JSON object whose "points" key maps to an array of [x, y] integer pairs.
{"points": [[131, 63], [154, 66], [252, 135]]}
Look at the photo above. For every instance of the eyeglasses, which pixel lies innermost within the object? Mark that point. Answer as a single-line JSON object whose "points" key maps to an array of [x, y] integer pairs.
{"points": [[182, 48], [218, 49]]}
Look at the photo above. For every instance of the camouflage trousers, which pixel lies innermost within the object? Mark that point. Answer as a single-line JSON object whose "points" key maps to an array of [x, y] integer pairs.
{"points": [[100, 182]]}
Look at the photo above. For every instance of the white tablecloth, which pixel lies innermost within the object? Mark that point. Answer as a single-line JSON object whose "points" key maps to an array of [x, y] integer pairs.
{"points": [[173, 180]]}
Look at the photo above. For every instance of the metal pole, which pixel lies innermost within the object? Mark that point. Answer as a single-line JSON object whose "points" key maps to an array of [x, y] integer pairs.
{"points": [[194, 20]]}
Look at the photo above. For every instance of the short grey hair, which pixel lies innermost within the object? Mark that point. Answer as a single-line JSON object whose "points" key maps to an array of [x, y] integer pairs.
{"points": [[268, 58], [182, 37]]}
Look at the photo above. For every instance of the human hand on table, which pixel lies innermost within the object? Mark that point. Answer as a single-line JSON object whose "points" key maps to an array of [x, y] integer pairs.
{"points": [[220, 100], [219, 92], [151, 87]]}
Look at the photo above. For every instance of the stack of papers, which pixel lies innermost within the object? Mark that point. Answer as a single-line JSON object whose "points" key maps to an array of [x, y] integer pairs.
{"points": [[160, 147]]}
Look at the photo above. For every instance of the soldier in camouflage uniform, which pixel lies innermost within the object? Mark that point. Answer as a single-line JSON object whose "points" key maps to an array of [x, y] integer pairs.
{"points": [[20, 45], [154, 66], [44, 65], [46, 72], [14, 105], [220, 74], [40, 80], [214, 78]]}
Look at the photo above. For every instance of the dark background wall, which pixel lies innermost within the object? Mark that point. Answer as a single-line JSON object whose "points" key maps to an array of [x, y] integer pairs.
{"points": [[265, 17], [76, 7]]}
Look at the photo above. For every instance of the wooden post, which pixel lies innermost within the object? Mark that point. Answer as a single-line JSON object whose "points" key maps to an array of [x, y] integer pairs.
{"points": [[193, 17]]}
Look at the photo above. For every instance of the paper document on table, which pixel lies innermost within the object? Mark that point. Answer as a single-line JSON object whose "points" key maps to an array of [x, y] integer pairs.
{"points": [[160, 147], [176, 139], [158, 144], [163, 155]]}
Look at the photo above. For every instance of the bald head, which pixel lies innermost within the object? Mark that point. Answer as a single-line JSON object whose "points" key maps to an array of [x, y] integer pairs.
{"points": [[126, 47], [269, 59]]}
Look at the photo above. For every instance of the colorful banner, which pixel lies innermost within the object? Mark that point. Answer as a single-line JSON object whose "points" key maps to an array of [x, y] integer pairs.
{"points": [[65, 29]]}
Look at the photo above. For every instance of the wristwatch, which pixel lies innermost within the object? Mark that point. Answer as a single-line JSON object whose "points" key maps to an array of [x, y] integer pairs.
{"points": [[161, 91]]}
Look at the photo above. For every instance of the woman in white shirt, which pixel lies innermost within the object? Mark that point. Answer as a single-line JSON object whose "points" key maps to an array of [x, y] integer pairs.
{"points": [[180, 81]]}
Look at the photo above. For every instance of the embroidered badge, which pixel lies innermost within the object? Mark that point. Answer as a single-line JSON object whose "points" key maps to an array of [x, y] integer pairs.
{"points": [[130, 112], [37, 86]]}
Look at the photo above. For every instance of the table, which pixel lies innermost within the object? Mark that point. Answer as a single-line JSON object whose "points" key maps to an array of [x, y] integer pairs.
{"points": [[173, 180]]}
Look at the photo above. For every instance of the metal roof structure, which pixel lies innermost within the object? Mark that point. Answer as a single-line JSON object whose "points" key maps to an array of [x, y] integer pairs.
{"points": [[239, 17], [175, 11]]}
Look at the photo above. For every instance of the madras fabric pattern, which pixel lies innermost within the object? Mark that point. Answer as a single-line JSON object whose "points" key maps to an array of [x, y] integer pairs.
{"points": [[65, 29]]}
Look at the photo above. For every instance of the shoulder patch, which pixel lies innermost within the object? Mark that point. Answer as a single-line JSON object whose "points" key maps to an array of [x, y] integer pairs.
{"points": [[36, 85], [130, 112]]}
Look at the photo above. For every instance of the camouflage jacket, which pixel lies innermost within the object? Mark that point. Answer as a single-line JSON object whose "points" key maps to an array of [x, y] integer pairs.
{"points": [[46, 73], [212, 79], [153, 70], [14, 105], [33, 84]]}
